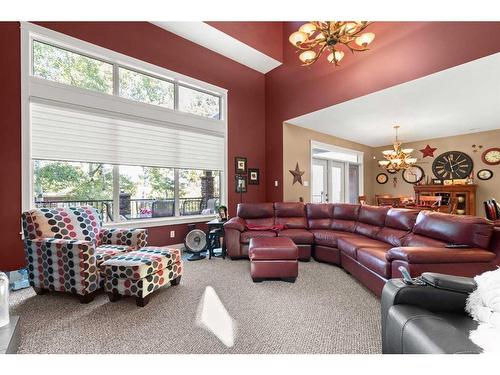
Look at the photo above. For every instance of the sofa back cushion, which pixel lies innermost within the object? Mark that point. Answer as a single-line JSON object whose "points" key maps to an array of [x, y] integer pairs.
{"points": [[371, 219], [345, 216], [319, 215], [291, 215], [69, 223], [398, 223], [469, 230], [258, 214]]}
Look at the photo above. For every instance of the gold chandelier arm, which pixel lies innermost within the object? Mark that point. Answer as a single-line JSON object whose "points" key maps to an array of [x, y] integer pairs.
{"points": [[316, 57], [308, 44]]}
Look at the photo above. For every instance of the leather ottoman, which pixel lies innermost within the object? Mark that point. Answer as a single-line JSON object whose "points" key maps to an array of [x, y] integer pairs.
{"points": [[273, 258], [139, 273]]}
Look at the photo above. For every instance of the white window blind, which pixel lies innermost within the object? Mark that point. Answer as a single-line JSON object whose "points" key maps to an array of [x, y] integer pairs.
{"points": [[85, 135]]}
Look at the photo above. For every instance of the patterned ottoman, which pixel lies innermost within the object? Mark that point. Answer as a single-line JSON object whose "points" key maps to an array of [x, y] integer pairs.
{"points": [[139, 273]]}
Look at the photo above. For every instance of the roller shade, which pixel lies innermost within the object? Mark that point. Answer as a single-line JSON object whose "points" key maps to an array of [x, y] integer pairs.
{"points": [[78, 134]]}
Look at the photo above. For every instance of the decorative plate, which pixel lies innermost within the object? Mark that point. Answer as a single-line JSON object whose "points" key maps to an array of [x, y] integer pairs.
{"points": [[382, 178], [484, 174]]}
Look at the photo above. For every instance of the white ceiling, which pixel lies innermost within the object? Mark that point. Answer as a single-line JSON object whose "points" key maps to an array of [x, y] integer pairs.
{"points": [[460, 100], [209, 37]]}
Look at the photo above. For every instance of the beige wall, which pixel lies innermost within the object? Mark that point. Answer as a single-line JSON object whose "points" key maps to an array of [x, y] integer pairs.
{"points": [[297, 148], [485, 190]]}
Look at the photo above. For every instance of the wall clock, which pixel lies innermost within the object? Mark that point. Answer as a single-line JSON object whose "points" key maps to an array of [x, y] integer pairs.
{"points": [[491, 156], [382, 178], [484, 174], [452, 165], [413, 175]]}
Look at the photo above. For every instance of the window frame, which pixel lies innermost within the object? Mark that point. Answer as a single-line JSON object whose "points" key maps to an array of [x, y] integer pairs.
{"points": [[42, 89]]}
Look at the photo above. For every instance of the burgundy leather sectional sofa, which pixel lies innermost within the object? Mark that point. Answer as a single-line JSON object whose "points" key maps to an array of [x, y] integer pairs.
{"points": [[371, 242]]}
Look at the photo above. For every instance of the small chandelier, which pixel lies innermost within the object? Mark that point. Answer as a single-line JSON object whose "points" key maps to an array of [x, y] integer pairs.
{"points": [[316, 37], [399, 158]]}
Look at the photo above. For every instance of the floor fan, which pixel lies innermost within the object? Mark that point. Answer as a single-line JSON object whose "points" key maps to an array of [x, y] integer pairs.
{"points": [[196, 243]]}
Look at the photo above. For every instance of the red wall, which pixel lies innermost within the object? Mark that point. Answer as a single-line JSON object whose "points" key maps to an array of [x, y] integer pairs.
{"points": [[11, 253], [144, 41], [402, 51], [265, 37]]}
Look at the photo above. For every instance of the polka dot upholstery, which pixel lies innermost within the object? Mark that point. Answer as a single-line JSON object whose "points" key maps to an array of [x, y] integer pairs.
{"points": [[138, 264], [64, 247], [105, 252], [62, 265], [73, 223], [129, 237], [141, 272]]}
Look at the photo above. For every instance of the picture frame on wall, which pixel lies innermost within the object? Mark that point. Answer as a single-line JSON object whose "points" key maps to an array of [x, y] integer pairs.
{"points": [[240, 184], [253, 176], [240, 165]]}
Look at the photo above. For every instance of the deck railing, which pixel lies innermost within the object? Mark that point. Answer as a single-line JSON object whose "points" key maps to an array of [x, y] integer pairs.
{"points": [[138, 208]]}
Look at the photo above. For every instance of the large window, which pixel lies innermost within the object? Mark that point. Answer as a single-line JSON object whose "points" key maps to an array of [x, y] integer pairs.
{"points": [[60, 65], [146, 89], [142, 192], [133, 140], [64, 66]]}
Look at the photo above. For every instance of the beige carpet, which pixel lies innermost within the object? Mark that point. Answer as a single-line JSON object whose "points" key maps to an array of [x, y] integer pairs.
{"points": [[324, 311]]}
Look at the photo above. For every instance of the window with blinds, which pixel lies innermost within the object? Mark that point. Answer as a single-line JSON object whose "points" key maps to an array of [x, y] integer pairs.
{"points": [[132, 143]]}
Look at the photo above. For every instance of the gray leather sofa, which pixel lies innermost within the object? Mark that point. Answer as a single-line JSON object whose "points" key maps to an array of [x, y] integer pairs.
{"points": [[426, 319]]}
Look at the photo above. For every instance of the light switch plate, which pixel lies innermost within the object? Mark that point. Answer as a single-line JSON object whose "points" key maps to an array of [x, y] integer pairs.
{"points": [[306, 183]]}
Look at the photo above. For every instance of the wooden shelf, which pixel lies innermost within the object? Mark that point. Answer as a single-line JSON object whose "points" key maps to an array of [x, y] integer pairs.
{"points": [[465, 195]]}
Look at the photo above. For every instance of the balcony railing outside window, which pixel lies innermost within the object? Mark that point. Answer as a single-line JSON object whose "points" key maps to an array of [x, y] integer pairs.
{"points": [[139, 208]]}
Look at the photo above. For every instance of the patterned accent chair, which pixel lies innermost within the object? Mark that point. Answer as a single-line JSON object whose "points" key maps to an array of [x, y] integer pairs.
{"points": [[65, 246]]}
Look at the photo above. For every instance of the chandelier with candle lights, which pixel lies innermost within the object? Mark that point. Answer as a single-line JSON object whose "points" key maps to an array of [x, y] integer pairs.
{"points": [[317, 37], [398, 158]]}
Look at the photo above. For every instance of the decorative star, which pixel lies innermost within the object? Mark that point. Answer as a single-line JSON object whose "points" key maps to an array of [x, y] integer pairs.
{"points": [[428, 151], [297, 174]]}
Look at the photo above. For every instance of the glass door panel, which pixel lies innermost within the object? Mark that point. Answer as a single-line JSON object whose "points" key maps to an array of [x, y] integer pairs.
{"points": [[319, 181], [337, 182], [353, 183]]}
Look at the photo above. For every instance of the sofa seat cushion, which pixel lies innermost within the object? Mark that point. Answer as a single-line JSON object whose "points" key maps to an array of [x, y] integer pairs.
{"points": [[350, 245], [272, 249], [298, 236], [249, 234], [435, 255], [104, 252], [375, 259], [327, 237]]}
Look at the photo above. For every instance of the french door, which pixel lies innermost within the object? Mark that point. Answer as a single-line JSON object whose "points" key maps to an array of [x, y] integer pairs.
{"points": [[334, 181]]}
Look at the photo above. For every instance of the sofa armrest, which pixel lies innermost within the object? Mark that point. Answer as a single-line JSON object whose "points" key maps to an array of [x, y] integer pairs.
{"points": [[124, 236], [235, 223], [427, 297], [75, 259], [419, 255]]}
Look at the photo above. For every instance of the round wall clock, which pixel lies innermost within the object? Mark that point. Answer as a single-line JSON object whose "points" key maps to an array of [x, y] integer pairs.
{"points": [[491, 156], [382, 178], [413, 174], [484, 174], [452, 165]]}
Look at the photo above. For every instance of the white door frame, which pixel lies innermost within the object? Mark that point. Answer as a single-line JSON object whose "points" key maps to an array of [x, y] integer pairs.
{"points": [[334, 148]]}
